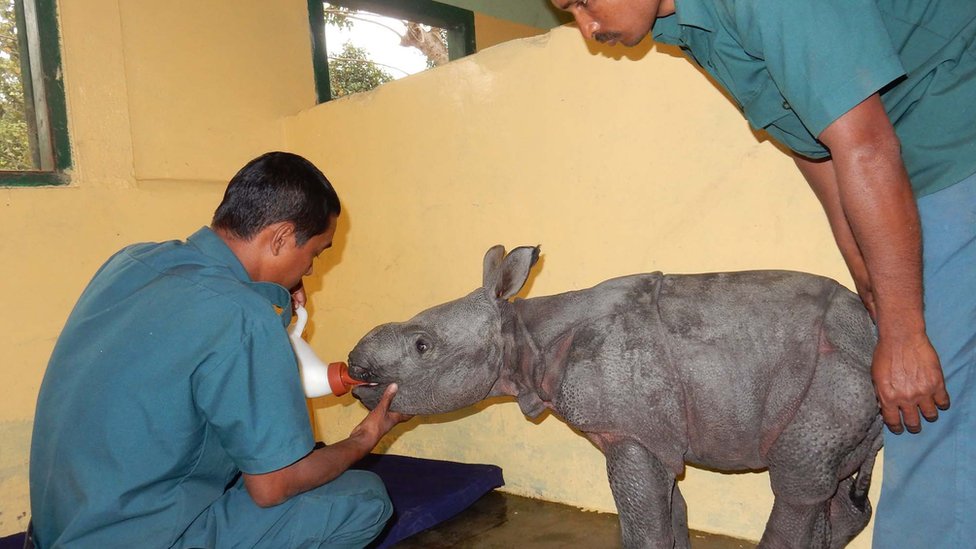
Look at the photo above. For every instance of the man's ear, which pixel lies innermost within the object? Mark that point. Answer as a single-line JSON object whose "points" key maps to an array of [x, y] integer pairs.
{"points": [[282, 234]]}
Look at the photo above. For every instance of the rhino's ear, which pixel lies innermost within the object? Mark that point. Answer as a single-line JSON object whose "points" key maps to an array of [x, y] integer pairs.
{"points": [[493, 259], [514, 271]]}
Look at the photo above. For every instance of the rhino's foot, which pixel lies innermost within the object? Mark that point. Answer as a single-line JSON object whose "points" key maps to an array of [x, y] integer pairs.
{"points": [[850, 512], [797, 526]]}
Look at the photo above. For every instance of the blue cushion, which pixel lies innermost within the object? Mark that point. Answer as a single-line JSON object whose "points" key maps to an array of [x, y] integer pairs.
{"points": [[15, 541], [426, 492]]}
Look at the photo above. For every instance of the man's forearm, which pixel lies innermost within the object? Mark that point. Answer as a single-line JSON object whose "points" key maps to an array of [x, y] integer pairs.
{"points": [[822, 178], [320, 466], [877, 201], [874, 193], [328, 462]]}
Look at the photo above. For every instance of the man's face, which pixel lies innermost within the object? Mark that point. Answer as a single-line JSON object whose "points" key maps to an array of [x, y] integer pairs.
{"points": [[612, 21], [294, 262]]}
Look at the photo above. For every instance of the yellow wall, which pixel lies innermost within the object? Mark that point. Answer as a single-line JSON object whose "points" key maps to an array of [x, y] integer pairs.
{"points": [[166, 100], [615, 165], [491, 31]]}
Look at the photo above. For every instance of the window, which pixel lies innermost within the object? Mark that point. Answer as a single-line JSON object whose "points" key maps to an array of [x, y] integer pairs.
{"points": [[33, 123], [360, 44]]}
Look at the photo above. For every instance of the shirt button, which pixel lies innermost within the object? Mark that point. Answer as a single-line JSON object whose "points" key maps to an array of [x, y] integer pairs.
{"points": [[786, 105]]}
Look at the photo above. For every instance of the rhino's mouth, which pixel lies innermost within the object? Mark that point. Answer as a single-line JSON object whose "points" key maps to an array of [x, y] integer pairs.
{"points": [[372, 387], [363, 373]]}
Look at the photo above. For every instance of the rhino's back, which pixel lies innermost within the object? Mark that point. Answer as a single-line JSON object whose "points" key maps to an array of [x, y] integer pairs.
{"points": [[745, 346], [718, 361]]}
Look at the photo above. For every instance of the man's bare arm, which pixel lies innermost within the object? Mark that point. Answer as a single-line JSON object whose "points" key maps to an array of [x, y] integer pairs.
{"points": [[820, 175], [324, 464], [872, 191]]}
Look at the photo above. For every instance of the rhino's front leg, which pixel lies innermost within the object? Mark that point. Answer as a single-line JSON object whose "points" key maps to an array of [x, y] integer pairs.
{"points": [[651, 509]]}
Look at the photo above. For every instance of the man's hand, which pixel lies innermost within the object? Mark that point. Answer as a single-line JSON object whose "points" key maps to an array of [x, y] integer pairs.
{"points": [[327, 462], [298, 296], [908, 378], [380, 420]]}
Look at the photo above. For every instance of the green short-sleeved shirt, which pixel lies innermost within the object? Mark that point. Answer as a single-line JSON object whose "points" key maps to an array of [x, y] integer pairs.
{"points": [[795, 66], [173, 373]]}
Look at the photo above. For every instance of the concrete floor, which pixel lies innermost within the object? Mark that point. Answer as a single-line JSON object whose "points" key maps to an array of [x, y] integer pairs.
{"points": [[503, 521]]}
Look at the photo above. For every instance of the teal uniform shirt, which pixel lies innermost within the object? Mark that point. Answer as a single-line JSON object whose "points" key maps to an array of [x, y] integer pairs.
{"points": [[173, 373], [795, 66]]}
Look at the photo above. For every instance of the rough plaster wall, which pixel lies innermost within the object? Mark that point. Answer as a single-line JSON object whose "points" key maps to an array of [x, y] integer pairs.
{"points": [[13, 474], [212, 108]]}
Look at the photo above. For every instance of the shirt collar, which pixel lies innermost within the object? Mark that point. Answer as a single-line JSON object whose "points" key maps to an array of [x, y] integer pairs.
{"points": [[215, 248], [687, 13]]}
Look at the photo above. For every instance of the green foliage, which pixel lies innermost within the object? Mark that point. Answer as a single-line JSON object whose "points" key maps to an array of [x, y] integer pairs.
{"points": [[15, 152], [352, 71], [337, 16]]}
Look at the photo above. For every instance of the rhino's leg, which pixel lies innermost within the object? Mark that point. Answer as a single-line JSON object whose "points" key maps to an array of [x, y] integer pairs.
{"points": [[833, 432], [796, 525], [850, 509], [679, 519], [646, 496]]}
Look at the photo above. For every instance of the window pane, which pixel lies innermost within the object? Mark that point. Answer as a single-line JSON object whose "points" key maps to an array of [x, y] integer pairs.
{"points": [[16, 128], [366, 49]]}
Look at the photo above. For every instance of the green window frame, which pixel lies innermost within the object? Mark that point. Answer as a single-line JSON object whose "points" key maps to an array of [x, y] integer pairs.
{"points": [[458, 22], [46, 114]]}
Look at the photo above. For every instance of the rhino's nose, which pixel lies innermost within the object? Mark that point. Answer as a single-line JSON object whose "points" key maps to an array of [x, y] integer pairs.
{"points": [[358, 365], [374, 353], [358, 372]]}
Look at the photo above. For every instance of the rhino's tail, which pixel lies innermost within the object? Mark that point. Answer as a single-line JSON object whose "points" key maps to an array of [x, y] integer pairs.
{"points": [[850, 509], [861, 484]]}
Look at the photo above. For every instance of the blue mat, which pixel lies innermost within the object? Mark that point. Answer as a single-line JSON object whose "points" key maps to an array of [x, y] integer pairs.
{"points": [[424, 493]]}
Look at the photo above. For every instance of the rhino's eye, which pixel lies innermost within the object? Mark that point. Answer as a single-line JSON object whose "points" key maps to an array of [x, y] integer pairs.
{"points": [[421, 346]]}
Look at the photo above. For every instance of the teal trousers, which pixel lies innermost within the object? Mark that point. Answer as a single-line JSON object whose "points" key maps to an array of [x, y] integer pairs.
{"points": [[928, 491], [346, 513]]}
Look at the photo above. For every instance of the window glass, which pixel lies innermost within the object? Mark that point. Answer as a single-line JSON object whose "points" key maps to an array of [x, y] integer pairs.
{"points": [[361, 44], [33, 129], [15, 138]]}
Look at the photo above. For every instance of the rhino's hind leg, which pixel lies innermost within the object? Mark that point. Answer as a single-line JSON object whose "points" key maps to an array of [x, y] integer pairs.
{"points": [[833, 435], [850, 509], [652, 511], [794, 525], [679, 519]]}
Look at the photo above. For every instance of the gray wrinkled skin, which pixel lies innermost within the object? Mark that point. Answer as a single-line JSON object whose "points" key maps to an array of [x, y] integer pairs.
{"points": [[730, 371]]}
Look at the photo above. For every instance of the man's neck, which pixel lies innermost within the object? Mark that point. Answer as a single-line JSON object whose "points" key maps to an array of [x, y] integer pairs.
{"points": [[245, 250]]}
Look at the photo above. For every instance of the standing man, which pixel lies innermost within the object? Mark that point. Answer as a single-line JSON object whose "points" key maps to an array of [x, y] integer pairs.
{"points": [[877, 99], [172, 414]]}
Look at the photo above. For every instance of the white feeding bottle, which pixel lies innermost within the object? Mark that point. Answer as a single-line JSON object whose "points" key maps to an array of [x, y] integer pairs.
{"points": [[318, 379]]}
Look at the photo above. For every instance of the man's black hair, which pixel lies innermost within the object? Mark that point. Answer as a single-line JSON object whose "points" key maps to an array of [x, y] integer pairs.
{"points": [[274, 187]]}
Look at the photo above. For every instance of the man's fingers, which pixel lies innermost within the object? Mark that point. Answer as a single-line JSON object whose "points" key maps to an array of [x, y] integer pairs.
{"points": [[298, 298], [942, 399], [892, 418], [912, 422], [930, 411], [384, 404]]}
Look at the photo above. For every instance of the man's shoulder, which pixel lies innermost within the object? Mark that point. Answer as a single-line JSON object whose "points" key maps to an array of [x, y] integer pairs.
{"points": [[181, 273]]}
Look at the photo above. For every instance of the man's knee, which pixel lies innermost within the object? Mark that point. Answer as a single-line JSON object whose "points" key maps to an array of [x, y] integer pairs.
{"points": [[355, 506]]}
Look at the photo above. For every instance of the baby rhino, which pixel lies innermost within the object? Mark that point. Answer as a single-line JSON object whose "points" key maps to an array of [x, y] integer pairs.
{"points": [[730, 371]]}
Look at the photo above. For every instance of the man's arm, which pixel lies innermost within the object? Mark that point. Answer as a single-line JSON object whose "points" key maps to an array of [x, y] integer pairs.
{"points": [[869, 203], [325, 464], [820, 175]]}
